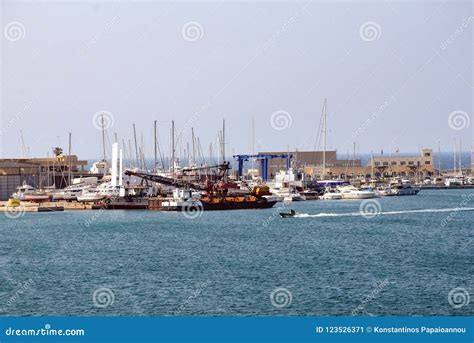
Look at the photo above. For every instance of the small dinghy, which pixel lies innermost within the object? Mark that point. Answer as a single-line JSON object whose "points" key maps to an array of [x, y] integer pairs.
{"points": [[291, 214]]}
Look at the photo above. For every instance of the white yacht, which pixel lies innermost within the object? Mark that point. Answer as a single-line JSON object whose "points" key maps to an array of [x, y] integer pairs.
{"points": [[78, 185], [89, 195], [26, 192], [331, 194], [351, 192]]}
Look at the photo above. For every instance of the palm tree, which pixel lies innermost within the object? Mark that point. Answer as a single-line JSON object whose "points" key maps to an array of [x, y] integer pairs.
{"points": [[57, 151]]}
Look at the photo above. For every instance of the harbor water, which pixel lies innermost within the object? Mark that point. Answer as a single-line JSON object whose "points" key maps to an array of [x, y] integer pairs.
{"points": [[329, 261]]}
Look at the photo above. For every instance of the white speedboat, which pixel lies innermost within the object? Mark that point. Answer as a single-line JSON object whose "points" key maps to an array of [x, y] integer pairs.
{"points": [[331, 194], [351, 192]]}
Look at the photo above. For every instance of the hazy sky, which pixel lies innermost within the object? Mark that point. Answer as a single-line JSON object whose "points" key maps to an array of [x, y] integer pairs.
{"points": [[395, 73]]}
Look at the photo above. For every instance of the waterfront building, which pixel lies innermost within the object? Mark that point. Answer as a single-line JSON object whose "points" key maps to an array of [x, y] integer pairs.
{"points": [[310, 163], [38, 172], [398, 165]]}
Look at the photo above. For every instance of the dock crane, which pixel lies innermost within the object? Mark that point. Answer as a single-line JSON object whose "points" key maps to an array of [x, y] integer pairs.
{"points": [[263, 158]]}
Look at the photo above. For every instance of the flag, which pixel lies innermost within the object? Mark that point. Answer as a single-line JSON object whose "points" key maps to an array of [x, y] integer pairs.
{"points": [[381, 152]]}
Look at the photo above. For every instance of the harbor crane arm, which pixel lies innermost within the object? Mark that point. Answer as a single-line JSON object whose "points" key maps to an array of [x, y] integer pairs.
{"points": [[164, 180]]}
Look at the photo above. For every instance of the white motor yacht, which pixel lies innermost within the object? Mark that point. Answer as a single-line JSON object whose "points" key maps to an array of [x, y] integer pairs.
{"points": [[351, 192], [26, 192], [89, 195], [331, 194]]}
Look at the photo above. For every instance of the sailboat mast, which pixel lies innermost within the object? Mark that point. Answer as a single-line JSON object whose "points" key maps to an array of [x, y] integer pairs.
{"points": [[136, 145], [69, 159], [353, 161], [253, 143], [194, 145], [223, 140], [288, 168], [439, 159], [372, 165], [172, 148], [325, 137], [156, 156], [103, 137], [22, 144], [454, 170]]}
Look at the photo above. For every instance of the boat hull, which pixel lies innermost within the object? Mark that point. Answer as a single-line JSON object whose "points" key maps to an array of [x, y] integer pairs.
{"points": [[407, 191], [237, 205], [218, 206], [331, 197]]}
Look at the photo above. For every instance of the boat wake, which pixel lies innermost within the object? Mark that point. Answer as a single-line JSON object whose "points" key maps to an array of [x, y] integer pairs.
{"points": [[357, 214]]}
